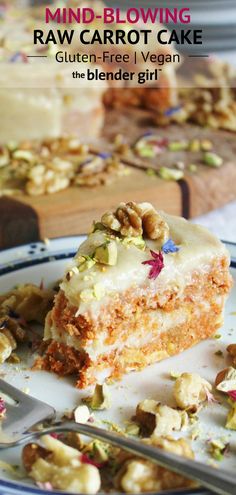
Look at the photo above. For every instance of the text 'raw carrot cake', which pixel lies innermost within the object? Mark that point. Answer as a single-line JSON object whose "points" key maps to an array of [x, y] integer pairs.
{"points": [[143, 286]]}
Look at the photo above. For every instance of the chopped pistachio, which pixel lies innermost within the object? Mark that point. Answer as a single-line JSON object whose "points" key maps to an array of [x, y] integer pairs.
{"points": [[100, 398], [146, 151], [217, 449], [81, 414], [106, 253], [151, 172], [100, 451], [174, 375], [170, 173], [194, 145], [75, 270], [212, 159], [231, 418], [178, 146], [86, 264], [206, 145], [138, 242], [192, 168], [113, 427], [195, 433], [80, 258], [217, 336], [98, 226], [132, 429], [86, 295], [99, 291]]}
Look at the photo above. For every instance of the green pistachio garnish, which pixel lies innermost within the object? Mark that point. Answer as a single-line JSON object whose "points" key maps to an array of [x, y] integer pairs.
{"points": [[106, 253], [99, 291], [212, 159], [192, 168], [132, 429], [98, 226], [100, 451], [177, 146], [231, 418], [151, 172], [206, 145], [170, 173], [86, 295], [86, 262], [138, 242], [194, 145], [218, 448], [174, 375], [146, 151], [100, 399]]}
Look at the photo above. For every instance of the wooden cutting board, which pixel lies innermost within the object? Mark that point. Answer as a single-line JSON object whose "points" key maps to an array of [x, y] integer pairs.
{"points": [[26, 219]]}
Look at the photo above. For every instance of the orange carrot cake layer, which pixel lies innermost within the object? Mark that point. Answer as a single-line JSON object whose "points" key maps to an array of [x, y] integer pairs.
{"points": [[143, 286]]}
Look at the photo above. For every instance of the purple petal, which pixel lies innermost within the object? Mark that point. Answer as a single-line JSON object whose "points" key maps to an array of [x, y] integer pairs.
{"points": [[169, 247]]}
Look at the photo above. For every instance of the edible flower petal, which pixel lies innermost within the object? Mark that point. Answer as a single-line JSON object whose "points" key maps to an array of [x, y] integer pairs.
{"points": [[169, 247], [210, 397], [104, 155], [85, 459], [44, 485], [172, 110], [2, 407], [232, 394], [157, 264]]}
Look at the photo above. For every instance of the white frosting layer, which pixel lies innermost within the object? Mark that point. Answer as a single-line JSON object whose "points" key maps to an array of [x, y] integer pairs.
{"points": [[198, 248]]}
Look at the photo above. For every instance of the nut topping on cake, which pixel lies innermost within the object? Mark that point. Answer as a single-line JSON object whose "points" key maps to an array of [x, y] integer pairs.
{"points": [[134, 220], [127, 220]]}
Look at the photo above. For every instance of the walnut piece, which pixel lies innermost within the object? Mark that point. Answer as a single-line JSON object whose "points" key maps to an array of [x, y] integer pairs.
{"points": [[178, 446], [19, 306], [134, 220], [190, 390], [61, 466], [226, 380], [157, 419], [138, 475], [232, 352]]}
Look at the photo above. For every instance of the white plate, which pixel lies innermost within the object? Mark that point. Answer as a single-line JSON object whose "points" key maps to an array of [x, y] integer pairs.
{"points": [[33, 262]]}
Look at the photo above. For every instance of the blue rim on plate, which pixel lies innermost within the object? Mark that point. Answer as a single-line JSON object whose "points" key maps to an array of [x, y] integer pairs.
{"points": [[36, 253], [28, 255]]}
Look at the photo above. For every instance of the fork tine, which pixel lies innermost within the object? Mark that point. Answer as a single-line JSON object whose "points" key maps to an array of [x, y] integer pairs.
{"points": [[12, 392], [27, 411]]}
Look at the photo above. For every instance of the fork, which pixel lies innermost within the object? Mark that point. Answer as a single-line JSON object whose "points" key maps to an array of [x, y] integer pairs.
{"points": [[218, 481], [24, 413]]}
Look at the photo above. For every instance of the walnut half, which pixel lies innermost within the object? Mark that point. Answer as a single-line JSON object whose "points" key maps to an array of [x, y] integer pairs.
{"points": [[133, 220]]}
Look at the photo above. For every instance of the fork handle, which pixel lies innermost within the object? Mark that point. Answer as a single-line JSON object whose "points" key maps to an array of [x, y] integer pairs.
{"points": [[221, 482]]}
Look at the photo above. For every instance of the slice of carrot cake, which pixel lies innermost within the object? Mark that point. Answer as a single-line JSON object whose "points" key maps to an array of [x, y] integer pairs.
{"points": [[143, 286]]}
